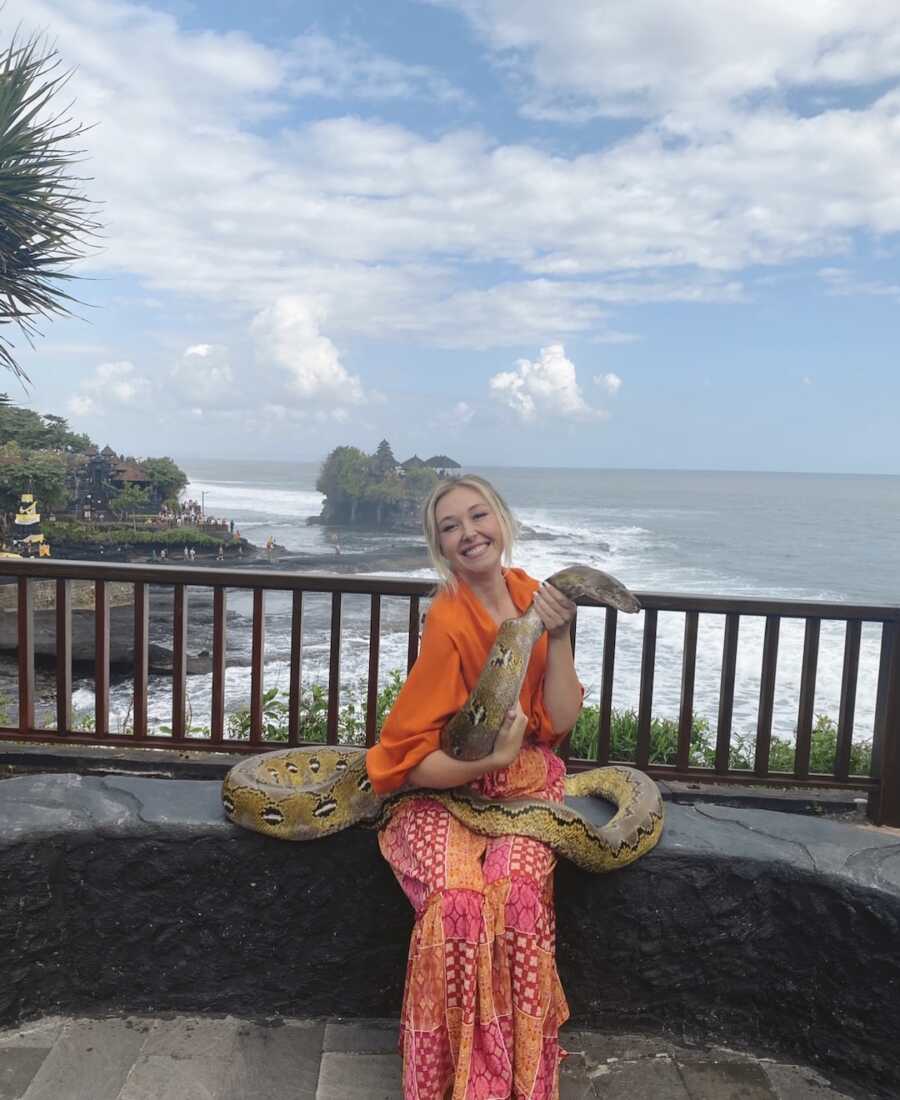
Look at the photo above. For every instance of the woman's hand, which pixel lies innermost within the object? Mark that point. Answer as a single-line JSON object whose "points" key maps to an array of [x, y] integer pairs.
{"points": [[555, 609], [509, 739]]}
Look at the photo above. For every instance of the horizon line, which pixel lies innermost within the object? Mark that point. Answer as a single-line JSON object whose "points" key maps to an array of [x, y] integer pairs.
{"points": [[597, 469]]}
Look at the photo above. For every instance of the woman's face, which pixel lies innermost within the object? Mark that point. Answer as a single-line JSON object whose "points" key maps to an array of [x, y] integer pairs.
{"points": [[471, 538]]}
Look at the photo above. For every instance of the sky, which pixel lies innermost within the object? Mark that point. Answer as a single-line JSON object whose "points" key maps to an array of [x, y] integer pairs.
{"points": [[642, 233]]}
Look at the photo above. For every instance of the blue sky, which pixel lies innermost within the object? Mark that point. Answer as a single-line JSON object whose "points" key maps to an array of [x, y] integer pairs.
{"points": [[642, 234]]}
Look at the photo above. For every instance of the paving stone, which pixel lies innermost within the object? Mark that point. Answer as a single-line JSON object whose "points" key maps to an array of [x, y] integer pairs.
{"points": [[18, 1065], [275, 1062], [725, 1079], [575, 1086], [599, 1047], [89, 1061], [361, 1036], [799, 1083], [655, 1078], [41, 1033], [360, 1077], [186, 1058]]}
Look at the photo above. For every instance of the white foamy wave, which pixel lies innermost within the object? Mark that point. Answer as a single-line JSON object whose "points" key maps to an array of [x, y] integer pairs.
{"points": [[226, 497]]}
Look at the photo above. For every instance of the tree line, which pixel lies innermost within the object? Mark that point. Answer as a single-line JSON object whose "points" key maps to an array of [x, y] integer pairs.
{"points": [[37, 453], [362, 488]]}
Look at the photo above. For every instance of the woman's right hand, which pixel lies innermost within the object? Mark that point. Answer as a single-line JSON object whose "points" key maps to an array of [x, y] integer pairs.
{"points": [[509, 739]]}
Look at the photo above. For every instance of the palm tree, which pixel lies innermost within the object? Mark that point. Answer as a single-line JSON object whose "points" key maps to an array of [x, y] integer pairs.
{"points": [[44, 218]]}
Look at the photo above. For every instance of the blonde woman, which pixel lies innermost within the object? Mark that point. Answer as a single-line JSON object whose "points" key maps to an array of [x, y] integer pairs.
{"points": [[483, 1003]]}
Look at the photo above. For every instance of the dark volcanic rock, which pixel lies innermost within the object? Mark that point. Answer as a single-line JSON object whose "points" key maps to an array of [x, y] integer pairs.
{"points": [[759, 930], [121, 633]]}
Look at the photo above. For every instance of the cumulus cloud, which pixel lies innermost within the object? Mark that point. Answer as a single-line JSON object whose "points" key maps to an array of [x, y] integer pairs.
{"points": [[612, 383], [117, 382], [547, 387], [288, 333], [387, 224], [203, 374]]}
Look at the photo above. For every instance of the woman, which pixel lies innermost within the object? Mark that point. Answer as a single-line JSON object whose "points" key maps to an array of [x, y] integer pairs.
{"points": [[483, 1003]]}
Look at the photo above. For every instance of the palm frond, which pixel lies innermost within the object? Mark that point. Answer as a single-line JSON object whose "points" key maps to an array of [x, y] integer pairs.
{"points": [[45, 220]]}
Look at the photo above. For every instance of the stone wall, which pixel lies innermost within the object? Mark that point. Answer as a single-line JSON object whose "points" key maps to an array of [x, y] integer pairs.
{"points": [[762, 930]]}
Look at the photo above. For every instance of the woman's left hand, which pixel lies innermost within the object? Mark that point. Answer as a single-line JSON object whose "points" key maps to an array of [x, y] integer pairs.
{"points": [[555, 609]]}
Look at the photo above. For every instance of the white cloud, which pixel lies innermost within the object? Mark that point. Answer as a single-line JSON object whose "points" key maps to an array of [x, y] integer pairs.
{"points": [[388, 224], [844, 284], [612, 383], [349, 68], [547, 387], [82, 405], [455, 419], [110, 385], [203, 375], [287, 333], [580, 59], [116, 383]]}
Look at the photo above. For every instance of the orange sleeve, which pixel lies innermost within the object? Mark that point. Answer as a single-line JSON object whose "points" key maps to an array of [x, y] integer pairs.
{"points": [[434, 691]]}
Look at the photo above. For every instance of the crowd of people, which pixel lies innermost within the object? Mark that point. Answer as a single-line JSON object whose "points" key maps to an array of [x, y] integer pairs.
{"points": [[189, 513]]}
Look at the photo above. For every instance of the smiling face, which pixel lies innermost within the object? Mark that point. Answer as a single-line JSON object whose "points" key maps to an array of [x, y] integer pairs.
{"points": [[471, 538]]}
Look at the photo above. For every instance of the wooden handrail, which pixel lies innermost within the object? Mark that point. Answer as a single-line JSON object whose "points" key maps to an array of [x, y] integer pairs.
{"points": [[883, 784]]}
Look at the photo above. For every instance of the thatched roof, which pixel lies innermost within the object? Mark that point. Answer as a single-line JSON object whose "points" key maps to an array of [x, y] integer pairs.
{"points": [[413, 463], [442, 462]]}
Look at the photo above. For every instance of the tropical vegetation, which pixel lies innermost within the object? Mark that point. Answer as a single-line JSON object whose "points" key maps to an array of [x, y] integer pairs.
{"points": [[376, 489], [45, 221], [40, 454], [623, 741]]}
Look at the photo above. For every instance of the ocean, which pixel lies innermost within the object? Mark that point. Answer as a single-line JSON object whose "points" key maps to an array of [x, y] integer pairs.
{"points": [[783, 536]]}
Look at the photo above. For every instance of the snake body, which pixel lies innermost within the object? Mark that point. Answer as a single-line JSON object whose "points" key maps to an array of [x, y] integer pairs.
{"points": [[312, 791]]}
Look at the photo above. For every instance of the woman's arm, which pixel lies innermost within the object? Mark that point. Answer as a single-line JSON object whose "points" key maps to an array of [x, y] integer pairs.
{"points": [[440, 771], [562, 688]]}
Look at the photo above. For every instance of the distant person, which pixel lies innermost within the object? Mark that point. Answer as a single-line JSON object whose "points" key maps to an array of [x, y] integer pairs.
{"points": [[483, 1002], [163, 554], [186, 554], [220, 556]]}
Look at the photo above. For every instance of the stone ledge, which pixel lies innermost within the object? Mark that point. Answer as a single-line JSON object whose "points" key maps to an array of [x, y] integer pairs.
{"points": [[765, 930], [162, 763]]}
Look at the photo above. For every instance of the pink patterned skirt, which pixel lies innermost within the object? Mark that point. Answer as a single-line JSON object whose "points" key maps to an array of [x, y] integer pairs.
{"points": [[483, 1004]]}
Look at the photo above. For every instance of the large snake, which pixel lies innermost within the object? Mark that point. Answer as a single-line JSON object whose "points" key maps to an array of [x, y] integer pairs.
{"points": [[312, 791]]}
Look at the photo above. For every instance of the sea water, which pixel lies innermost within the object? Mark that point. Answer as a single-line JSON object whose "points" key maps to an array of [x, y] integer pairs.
{"points": [[768, 535]]}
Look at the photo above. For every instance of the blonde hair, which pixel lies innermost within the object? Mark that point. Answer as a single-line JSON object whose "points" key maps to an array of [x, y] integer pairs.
{"points": [[505, 519]]}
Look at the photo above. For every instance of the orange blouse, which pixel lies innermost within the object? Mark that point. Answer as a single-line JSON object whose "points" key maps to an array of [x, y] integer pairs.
{"points": [[458, 636]]}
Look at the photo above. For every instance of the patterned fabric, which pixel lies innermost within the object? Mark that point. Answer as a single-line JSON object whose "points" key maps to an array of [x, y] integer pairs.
{"points": [[483, 1003]]}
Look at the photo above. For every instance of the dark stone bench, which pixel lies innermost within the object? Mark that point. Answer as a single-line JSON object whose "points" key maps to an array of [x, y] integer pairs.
{"points": [[760, 930]]}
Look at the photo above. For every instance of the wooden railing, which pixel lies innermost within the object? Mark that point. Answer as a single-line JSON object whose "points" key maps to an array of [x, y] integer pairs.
{"points": [[882, 784]]}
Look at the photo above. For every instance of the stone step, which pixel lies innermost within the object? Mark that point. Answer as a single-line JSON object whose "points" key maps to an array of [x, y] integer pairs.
{"points": [[90, 1060], [227, 1058]]}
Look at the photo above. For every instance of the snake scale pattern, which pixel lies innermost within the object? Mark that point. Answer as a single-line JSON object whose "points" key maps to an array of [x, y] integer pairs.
{"points": [[312, 791]]}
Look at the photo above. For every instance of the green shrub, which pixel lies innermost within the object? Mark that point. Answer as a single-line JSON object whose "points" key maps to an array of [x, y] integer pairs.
{"points": [[313, 715], [664, 744], [623, 741]]}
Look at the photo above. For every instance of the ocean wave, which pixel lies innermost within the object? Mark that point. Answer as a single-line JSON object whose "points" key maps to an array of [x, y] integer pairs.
{"points": [[224, 498]]}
